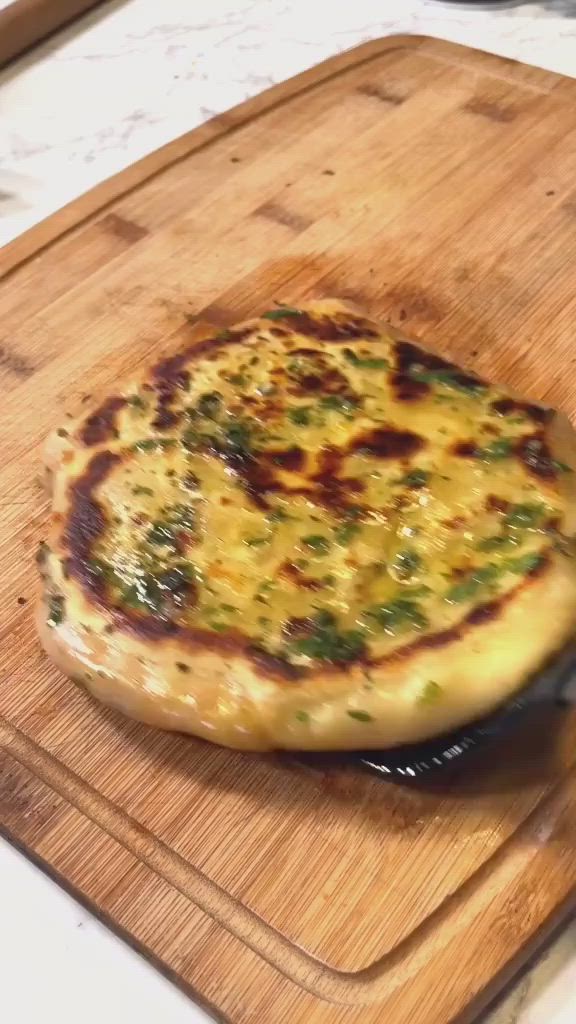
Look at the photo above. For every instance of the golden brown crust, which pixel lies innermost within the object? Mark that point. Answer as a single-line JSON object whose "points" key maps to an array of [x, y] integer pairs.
{"points": [[453, 623]]}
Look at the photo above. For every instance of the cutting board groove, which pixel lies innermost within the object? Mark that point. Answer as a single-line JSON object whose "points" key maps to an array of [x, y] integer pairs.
{"points": [[434, 185]]}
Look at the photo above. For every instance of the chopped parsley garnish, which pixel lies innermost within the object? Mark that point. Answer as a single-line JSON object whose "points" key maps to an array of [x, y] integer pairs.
{"points": [[317, 543], [302, 716], [525, 516], [300, 416], [281, 313], [325, 642], [415, 478], [367, 362], [475, 581], [210, 405], [164, 531], [238, 437], [525, 564], [345, 533], [55, 610], [255, 542], [161, 533], [138, 490], [153, 444], [401, 613], [406, 563], [496, 543], [278, 515], [501, 448], [458, 380], [347, 407], [136, 401], [360, 716]]}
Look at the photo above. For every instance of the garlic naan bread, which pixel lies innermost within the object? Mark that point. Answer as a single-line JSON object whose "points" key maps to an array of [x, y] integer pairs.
{"points": [[307, 532]]}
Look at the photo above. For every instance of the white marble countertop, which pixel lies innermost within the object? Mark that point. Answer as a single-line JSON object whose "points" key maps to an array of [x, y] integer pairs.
{"points": [[153, 71]]}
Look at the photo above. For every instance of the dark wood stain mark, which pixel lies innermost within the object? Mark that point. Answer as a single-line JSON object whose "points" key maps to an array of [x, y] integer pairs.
{"points": [[380, 92], [15, 363], [280, 215], [122, 228], [490, 110]]}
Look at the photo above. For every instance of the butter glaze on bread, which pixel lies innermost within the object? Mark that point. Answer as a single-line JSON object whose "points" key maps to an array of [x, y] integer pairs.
{"points": [[309, 533]]}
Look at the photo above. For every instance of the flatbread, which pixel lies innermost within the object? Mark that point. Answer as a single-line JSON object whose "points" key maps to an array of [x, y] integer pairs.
{"points": [[307, 532]]}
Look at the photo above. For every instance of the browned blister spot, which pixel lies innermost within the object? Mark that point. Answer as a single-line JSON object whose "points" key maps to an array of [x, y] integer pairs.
{"points": [[534, 453], [336, 327], [101, 426], [513, 407], [388, 443], [466, 450]]}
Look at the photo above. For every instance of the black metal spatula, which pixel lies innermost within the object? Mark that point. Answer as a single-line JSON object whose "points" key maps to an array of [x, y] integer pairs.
{"points": [[554, 684]]}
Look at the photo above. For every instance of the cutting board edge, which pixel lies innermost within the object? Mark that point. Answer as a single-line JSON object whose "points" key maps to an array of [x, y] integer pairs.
{"points": [[96, 199], [331, 990]]}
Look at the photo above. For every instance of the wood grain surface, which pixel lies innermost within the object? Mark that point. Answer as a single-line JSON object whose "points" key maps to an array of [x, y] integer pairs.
{"points": [[434, 185], [25, 22]]}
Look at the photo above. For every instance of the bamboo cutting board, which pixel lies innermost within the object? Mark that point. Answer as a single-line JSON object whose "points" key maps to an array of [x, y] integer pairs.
{"points": [[435, 186]]}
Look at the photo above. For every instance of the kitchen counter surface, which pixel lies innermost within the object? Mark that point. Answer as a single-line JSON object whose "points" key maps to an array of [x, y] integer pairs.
{"points": [[153, 71]]}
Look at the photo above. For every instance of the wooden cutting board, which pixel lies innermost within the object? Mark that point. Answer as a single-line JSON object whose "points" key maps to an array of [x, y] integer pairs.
{"points": [[435, 186], [25, 22]]}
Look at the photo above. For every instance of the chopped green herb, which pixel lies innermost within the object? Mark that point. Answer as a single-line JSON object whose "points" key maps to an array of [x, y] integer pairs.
{"points": [[300, 416], [398, 614], [345, 533], [501, 448], [496, 543], [360, 716], [347, 407], [136, 401], [255, 542], [161, 533], [238, 379], [368, 363], [321, 545], [458, 380], [278, 515], [153, 444], [302, 716], [477, 579], [237, 438], [325, 642], [281, 313], [406, 563], [415, 478], [561, 467], [55, 610], [525, 564], [525, 516], [138, 490], [210, 405]]}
